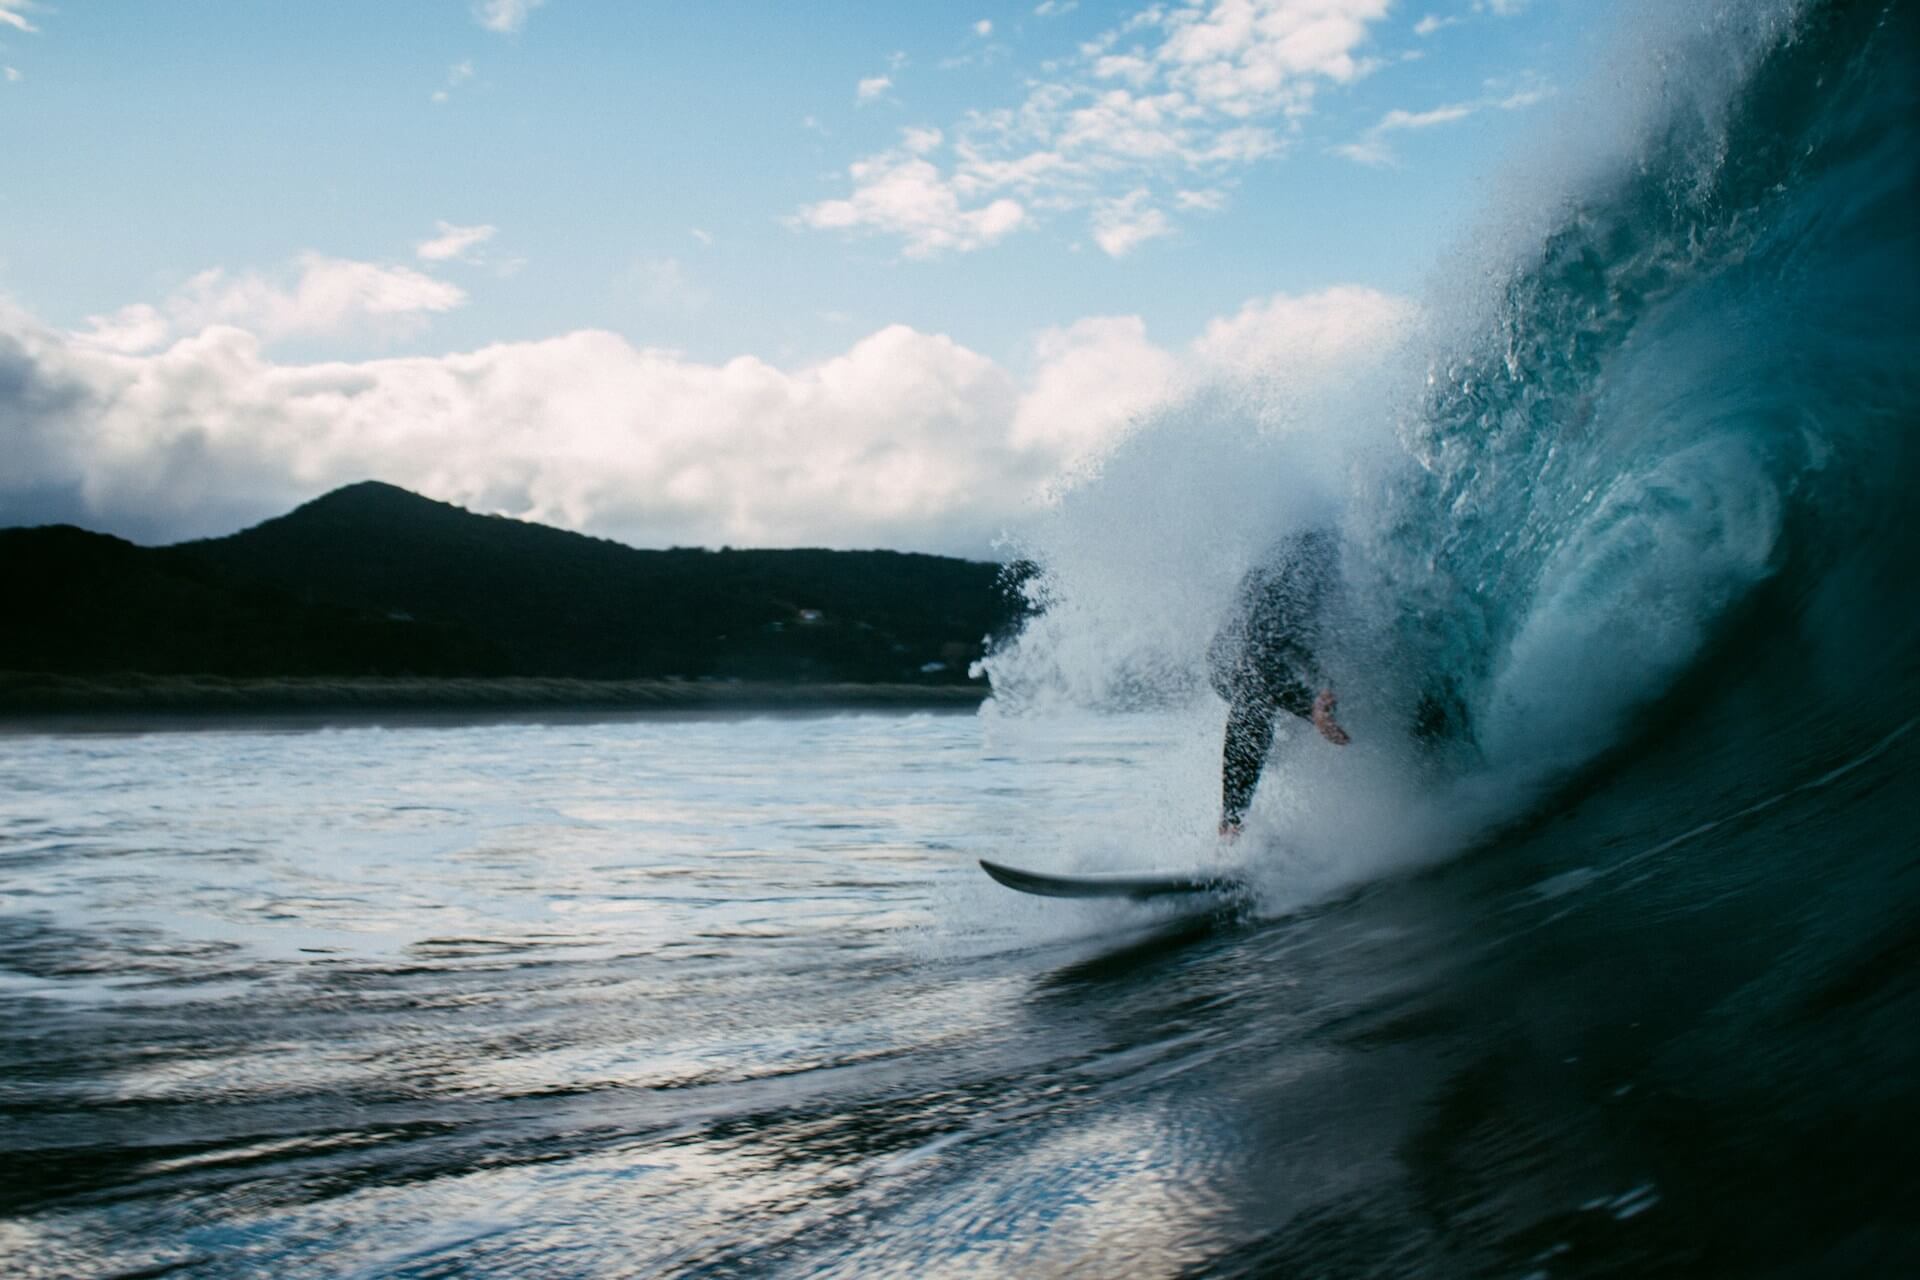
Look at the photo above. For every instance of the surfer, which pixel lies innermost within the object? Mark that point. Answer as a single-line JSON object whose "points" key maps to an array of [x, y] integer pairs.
{"points": [[1262, 662]]}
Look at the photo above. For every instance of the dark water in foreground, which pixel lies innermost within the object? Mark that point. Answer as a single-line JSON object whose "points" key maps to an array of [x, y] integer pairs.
{"points": [[727, 998]]}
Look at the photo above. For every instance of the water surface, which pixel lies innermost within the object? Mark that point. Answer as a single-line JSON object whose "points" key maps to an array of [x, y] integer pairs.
{"points": [[728, 997]]}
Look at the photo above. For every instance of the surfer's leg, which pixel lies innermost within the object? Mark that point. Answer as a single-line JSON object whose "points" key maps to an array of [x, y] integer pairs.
{"points": [[1243, 755]]}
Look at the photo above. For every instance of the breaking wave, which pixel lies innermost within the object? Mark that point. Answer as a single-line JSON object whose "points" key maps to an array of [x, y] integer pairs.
{"points": [[1647, 445]]}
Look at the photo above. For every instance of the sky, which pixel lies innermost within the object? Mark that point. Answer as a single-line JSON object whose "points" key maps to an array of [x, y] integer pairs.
{"points": [[832, 274]]}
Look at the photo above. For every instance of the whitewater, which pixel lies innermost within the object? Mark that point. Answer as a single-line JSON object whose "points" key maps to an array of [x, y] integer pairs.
{"points": [[1619, 976]]}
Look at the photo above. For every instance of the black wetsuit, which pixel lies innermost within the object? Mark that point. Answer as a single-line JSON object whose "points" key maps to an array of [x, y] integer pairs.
{"points": [[1262, 659]]}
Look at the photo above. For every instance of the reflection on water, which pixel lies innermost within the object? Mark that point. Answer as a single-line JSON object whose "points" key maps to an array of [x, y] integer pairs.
{"points": [[548, 997], [728, 997]]}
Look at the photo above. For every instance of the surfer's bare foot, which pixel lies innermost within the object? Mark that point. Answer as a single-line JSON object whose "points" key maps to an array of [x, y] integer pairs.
{"points": [[1323, 719]]}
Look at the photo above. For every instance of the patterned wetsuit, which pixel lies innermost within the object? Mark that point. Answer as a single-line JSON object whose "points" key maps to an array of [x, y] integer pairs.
{"points": [[1262, 659]]}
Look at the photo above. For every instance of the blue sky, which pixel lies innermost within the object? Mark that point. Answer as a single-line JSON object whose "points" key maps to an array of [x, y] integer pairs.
{"points": [[679, 188]]}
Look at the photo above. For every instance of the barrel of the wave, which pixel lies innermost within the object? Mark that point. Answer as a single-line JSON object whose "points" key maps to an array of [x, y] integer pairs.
{"points": [[1683, 453]]}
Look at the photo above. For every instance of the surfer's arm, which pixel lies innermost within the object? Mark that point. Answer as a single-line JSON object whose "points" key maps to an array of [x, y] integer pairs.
{"points": [[1298, 698], [1323, 719]]}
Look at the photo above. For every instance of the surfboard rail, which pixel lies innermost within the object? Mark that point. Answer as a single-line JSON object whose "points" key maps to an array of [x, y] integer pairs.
{"points": [[1136, 885]]}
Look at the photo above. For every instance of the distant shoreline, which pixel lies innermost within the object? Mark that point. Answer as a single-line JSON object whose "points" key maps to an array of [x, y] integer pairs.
{"points": [[30, 702]]}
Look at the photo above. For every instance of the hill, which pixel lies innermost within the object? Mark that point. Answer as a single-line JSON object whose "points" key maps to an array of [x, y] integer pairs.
{"points": [[372, 580]]}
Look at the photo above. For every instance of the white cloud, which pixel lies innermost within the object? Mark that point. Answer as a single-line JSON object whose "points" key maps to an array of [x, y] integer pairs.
{"points": [[504, 16], [1253, 57], [457, 74], [1123, 225], [1055, 8], [138, 326], [1372, 148], [13, 13], [452, 242], [1433, 22], [1209, 200], [665, 283], [1367, 149], [1132, 68], [872, 87], [1398, 119], [1168, 100], [329, 297], [1092, 380], [703, 237], [905, 195], [920, 140], [12, 74], [321, 297], [983, 28], [905, 439], [1302, 330], [1520, 99]]}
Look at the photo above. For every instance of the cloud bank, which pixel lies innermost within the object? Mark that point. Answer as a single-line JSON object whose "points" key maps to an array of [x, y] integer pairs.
{"points": [[905, 439], [316, 296]]}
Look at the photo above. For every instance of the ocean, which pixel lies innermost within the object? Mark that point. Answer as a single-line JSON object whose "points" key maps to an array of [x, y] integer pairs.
{"points": [[1617, 976], [725, 996]]}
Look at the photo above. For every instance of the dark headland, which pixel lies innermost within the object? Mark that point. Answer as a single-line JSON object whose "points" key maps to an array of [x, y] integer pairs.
{"points": [[373, 599]]}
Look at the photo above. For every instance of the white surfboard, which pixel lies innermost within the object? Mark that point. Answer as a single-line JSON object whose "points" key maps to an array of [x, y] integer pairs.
{"points": [[1137, 885]]}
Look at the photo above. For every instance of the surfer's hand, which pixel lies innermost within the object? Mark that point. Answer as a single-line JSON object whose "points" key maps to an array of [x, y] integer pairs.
{"points": [[1323, 719]]}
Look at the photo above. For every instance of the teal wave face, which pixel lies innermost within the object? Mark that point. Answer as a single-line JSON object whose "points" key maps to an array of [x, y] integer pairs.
{"points": [[1686, 437]]}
